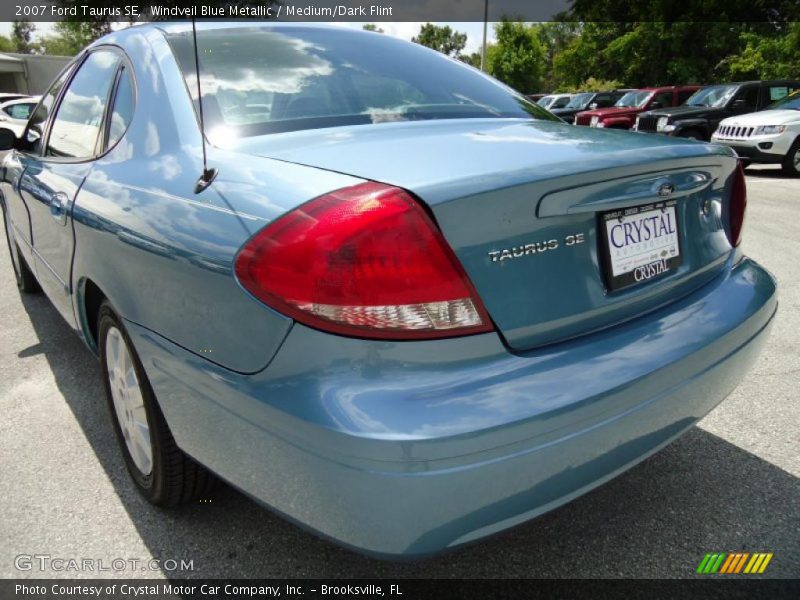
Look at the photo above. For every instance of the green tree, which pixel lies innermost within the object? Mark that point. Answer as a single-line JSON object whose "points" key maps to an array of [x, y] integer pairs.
{"points": [[770, 58], [583, 56], [697, 11], [22, 36], [517, 57], [70, 37], [441, 38], [555, 37], [652, 53], [592, 85], [371, 27], [473, 59], [664, 43], [6, 45]]}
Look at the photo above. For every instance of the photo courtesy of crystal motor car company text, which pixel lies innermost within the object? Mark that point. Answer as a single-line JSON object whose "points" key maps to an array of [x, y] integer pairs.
{"points": [[373, 288]]}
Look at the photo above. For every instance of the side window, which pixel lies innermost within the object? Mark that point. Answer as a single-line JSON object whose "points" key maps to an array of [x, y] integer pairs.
{"points": [[663, 98], [604, 100], [122, 110], [20, 111], [36, 125], [561, 102], [684, 95], [750, 97], [80, 115], [776, 92]]}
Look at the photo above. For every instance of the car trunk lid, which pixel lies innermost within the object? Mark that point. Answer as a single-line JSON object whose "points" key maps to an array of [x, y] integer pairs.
{"points": [[522, 205]]}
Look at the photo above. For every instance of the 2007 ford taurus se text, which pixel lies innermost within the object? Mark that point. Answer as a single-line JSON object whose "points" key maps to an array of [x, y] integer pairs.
{"points": [[388, 297]]}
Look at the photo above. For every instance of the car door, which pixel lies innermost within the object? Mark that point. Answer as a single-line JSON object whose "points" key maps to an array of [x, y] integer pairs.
{"points": [[58, 163], [684, 95], [745, 101], [19, 222], [604, 100], [660, 100]]}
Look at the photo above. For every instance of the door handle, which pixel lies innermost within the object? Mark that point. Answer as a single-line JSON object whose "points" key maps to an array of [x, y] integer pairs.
{"points": [[58, 207]]}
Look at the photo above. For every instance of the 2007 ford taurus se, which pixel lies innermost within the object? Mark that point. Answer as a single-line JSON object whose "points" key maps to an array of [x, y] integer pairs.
{"points": [[388, 296]]}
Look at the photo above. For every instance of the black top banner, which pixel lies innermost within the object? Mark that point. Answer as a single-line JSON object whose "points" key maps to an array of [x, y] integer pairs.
{"points": [[405, 10]]}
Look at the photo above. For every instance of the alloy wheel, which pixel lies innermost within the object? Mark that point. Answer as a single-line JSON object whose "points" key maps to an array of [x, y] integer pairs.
{"points": [[128, 402]]}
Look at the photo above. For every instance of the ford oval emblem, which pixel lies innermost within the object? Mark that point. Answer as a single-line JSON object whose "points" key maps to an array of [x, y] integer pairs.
{"points": [[665, 189]]}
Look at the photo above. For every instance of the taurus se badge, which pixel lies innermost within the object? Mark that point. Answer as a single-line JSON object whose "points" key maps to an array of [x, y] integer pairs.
{"points": [[535, 248]]}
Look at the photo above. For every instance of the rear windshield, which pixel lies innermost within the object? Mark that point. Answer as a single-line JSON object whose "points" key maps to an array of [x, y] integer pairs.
{"points": [[259, 80]]}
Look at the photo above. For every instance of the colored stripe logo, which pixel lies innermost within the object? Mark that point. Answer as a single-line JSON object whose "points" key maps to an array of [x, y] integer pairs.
{"points": [[730, 563]]}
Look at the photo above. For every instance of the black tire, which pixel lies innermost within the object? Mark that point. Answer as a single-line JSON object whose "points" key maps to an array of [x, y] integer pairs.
{"points": [[174, 478], [791, 162], [693, 134], [26, 280]]}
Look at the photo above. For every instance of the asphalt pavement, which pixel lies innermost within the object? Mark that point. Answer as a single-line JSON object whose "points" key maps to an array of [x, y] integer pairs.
{"points": [[730, 484]]}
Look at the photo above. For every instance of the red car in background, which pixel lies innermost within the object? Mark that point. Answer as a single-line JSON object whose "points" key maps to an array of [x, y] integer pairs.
{"points": [[623, 114]]}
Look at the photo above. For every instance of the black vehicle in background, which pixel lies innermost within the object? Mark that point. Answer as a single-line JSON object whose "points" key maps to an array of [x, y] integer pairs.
{"points": [[699, 117], [587, 101]]}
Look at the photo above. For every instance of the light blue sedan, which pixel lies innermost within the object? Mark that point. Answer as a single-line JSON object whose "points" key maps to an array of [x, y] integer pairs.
{"points": [[388, 297]]}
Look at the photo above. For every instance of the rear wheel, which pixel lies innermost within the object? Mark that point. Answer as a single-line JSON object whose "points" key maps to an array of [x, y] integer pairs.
{"points": [[791, 163], [163, 474], [26, 281]]}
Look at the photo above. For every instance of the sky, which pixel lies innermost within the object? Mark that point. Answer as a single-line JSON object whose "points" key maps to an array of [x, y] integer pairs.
{"points": [[405, 31]]}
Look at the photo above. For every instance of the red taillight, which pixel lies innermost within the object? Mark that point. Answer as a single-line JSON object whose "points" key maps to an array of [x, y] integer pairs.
{"points": [[737, 207], [364, 261]]}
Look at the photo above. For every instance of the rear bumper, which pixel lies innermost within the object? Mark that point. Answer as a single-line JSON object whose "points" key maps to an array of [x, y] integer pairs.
{"points": [[411, 448]]}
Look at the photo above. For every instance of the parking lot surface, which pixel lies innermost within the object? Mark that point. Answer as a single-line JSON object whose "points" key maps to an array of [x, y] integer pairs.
{"points": [[730, 484]]}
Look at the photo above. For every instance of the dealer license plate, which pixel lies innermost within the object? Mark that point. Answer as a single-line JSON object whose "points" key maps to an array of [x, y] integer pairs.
{"points": [[642, 243]]}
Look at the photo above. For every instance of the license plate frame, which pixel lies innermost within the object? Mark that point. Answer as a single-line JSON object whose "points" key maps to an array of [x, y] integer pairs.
{"points": [[642, 261]]}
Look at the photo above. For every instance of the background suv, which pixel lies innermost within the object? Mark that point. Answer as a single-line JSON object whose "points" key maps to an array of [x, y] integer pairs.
{"points": [[623, 114], [767, 136], [587, 100], [554, 101], [702, 113]]}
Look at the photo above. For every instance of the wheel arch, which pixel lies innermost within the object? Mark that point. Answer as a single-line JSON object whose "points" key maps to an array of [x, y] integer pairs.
{"points": [[90, 299], [701, 125], [788, 165]]}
